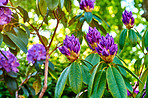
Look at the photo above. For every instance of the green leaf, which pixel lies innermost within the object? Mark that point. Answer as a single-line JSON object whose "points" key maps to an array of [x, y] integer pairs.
{"points": [[12, 74], [43, 7], [1, 38], [31, 89], [132, 37], [116, 83], [61, 83], [37, 85], [146, 60], [78, 16], [146, 96], [139, 35], [26, 28], [72, 21], [11, 84], [128, 85], [122, 38], [93, 59], [99, 85], [25, 91], [117, 61], [68, 5], [52, 4], [51, 65], [9, 42], [52, 73], [75, 77], [24, 13], [131, 73], [21, 34], [1, 72], [17, 41], [37, 66], [97, 18], [143, 40], [85, 74], [137, 66], [146, 39], [88, 16], [91, 81], [143, 79], [45, 40]]}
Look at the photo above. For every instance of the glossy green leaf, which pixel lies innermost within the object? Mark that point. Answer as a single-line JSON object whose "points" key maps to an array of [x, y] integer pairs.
{"points": [[93, 59], [43, 7], [131, 73], [68, 5], [99, 85], [81, 19], [97, 18], [122, 38], [21, 34], [17, 41], [116, 83], [61, 83], [25, 91], [51, 65], [85, 74], [75, 77], [143, 79], [24, 13], [146, 60], [52, 4], [9, 42], [117, 61], [146, 39], [138, 34], [11, 84], [88, 16], [78, 16], [1, 38], [91, 81], [128, 85], [26, 28], [132, 37], [37, 66], [137, 66], [12, 74]]}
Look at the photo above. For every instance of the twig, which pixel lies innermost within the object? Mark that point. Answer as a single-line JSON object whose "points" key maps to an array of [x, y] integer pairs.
{"points": [[55, 49], [140, 47]]}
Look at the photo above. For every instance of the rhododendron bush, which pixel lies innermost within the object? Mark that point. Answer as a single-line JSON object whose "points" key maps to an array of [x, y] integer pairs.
{"points": [[73, 48]]}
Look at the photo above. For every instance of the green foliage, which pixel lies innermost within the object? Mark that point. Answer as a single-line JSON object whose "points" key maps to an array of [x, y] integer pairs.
{"points": [[122, 38]]}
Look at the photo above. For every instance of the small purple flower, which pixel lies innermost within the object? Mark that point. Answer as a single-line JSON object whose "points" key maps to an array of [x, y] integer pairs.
{"points": [[36, 53], [71, 48], [3, 2], [93, 37], [147, 48], [87, 5], [106, 48], [9, 65], [128, 20]]}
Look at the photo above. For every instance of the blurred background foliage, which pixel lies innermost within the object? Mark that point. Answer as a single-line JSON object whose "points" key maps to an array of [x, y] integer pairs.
{"points": [[109, 10]]}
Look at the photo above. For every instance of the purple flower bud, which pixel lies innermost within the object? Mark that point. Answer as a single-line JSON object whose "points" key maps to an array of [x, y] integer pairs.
{"points": [[3, 2], [5, 15], [128, 20], [71, 48], [36, 53], [147, 48], [87, 5], [93, 37], [9, 65], [106, 48]]}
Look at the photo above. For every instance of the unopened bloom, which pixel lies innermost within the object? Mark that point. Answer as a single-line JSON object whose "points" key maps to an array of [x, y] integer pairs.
{"points": [[36, 53], [9, 65], [3, 2], [106, 48], [87, 5], [128, 20], [93, 37], [147, 48], [71, 48]]}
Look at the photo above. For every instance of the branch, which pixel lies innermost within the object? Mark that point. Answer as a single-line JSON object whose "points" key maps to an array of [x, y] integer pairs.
{"points": [[55, 49], [45, 75]]}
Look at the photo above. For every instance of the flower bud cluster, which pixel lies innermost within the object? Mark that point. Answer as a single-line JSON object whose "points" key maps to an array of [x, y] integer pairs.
{"points": [[5, 13], [87, 5], [9, 64], [71, 48], [104, 46], [128, 20], [36, 53]]}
